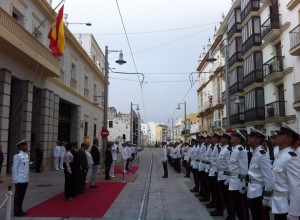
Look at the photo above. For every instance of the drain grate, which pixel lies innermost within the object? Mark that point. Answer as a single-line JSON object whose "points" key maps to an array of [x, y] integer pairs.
{"points": [[44, 185]]}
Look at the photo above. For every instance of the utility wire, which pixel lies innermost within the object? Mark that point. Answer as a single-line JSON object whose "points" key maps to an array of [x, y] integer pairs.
{"points": [[160, 31], [141, 83]]}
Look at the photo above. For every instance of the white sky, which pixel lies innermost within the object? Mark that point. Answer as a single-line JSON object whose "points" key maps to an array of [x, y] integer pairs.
{"points": [[197, 19]]}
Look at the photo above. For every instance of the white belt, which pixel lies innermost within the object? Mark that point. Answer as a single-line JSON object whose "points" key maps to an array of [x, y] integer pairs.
{"points": [[256, 182], [281, 194]]}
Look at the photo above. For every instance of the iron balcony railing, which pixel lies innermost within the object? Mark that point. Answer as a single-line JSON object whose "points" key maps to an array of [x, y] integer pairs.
{"points": [[224, 96], [224, 122], [255, 76], [275, 109], [255, 114], [273, 65], [253, 40], [236, 28], [297, 92], [238, 118], [253, 5], [295, 36], [187, 132], [237, 57], [235, 88], [273, 22]]}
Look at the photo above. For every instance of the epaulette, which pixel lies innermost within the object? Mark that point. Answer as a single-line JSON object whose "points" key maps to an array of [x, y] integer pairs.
{"points": [[241, 148], [293, 154], [262, 151]]}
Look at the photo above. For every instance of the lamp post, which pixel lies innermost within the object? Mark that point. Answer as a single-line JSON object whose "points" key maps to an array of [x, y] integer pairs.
{"points": [[131, 120], [178, 107], [87, 24], [120, 61]]}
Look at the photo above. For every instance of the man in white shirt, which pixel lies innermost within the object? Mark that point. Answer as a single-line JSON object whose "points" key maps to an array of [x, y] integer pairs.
{"points": [[56, 155], [114, 150], [164, 159], [124, 157], [20, 177], [62, 156]]}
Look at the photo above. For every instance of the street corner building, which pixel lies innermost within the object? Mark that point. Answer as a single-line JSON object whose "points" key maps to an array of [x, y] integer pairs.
{"points": [[45, 98]]}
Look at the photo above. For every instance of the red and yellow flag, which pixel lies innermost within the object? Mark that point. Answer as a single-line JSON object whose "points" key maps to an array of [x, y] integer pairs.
{"points": [[57, 34]]}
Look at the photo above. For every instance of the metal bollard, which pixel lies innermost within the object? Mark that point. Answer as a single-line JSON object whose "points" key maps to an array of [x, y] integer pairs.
{"points": [[8, 208]]}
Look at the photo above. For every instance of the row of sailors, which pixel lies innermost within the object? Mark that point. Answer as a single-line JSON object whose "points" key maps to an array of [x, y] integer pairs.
{"points": [[128, 152], [238, 177]]}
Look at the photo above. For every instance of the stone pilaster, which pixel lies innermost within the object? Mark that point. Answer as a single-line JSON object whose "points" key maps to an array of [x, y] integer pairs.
{"points": [[75, 124]]}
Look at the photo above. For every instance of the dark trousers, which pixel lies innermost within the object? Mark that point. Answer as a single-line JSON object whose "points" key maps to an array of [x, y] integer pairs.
{"points": [[82, 178], [280, 216], [258, 211], [69, 185], [196, 179], [219, 196], [20, 190], [165, 169], [227, 200], [212, 183], [239, 204], [178, 165], [38, 166], [107, 168], [206, 187], [127, 164], [187, 169], [202, 182]]}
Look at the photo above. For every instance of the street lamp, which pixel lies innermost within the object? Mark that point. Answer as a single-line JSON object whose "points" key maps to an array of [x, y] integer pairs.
{"points": [[120, 61], [131, 120], [178, 107], [87, 24]]}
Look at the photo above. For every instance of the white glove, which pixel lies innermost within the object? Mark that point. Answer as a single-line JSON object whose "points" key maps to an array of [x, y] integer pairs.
{"points": [[243, 187], [226, 183], [266, 201]]}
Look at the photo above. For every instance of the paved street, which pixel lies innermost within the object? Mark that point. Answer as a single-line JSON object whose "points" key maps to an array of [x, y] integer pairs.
{"points": [[168, 198]]}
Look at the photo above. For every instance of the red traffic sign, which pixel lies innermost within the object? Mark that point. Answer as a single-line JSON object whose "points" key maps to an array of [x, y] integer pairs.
{"points": [[104, 133]]}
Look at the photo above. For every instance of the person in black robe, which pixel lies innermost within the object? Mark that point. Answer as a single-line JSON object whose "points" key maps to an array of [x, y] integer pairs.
{"points": [[108, 160]]}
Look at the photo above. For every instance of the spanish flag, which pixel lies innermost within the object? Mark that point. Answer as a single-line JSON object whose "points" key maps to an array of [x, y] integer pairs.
{"points": [[57, 35]]}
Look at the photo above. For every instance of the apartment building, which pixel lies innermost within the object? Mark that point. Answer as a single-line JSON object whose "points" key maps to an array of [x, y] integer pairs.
{"points": [[262, 41], [44, 99]]}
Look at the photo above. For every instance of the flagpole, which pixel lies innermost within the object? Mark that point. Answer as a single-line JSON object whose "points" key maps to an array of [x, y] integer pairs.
{"points": [[50, 14]]}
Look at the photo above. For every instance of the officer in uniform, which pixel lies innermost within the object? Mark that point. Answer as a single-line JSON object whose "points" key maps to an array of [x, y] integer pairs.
{"points": [[237, 172], [20, 177], [201, 166], [194, 163], [286, 137], [293, 173], [260, 176], [164, 159]]}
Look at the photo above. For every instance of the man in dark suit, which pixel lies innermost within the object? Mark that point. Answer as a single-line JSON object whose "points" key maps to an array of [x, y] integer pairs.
{"points": [[108, 160], [83, 166], [75, 168], [96, 158]]}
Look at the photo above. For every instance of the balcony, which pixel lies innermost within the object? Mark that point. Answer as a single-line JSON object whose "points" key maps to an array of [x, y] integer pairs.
{"points": [[255, 76], [224, 96], [183, 132], [237, 57], [238, 118], [296, 104], [255, 114], [270, 29], [217, 102], [295, 41], [253, 5], [275, 109], [24, 48], [273, 69], [236, 28], [207, 105], [253, 40], [292, 4], [236, 88], [218, 124], [224, 122]]}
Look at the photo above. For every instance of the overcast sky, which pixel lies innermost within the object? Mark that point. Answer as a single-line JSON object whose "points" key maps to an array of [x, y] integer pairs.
{"points": [[176, 30]]}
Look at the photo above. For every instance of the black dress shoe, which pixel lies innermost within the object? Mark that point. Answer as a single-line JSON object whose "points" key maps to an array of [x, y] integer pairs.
{"points": [[203, 200], [187, 176], [21, 214], [216, 214], [197, 195], [164, 177], [210, 206], [194, 190], [107, 178], [93, 186]]}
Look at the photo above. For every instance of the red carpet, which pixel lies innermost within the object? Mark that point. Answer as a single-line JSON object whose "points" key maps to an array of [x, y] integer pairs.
{"points": [[133, 169], [92, 204]]}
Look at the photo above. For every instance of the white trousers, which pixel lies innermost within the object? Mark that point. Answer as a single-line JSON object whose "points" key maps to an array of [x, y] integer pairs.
{"points": [[56, 163], [124, 166], [95, 169], [112, 168], [61, 162]]}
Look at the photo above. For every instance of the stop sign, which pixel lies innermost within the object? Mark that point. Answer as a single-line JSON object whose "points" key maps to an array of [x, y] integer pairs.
{"points": [[104, 133]]}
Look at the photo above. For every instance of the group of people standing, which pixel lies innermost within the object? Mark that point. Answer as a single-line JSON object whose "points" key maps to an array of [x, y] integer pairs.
{"points": [[245, 173], [128, 152]]}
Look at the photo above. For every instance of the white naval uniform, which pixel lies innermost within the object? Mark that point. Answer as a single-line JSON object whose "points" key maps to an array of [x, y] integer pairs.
{"points": [[207, 158], [196, 157], [260, 173], [224, 157], [214, 160], [293, 174], [238, 164], [62, 157], [56, 154], [280, 197], [164, 154], [178, 151], [202, 151], [114, 149], [20, 168], [192, 156], [124, 156]]}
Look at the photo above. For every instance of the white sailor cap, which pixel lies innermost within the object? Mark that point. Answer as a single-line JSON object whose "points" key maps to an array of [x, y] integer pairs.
{"points": [[285, 129], [257, 133], [238, 134], [21, 143]]}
